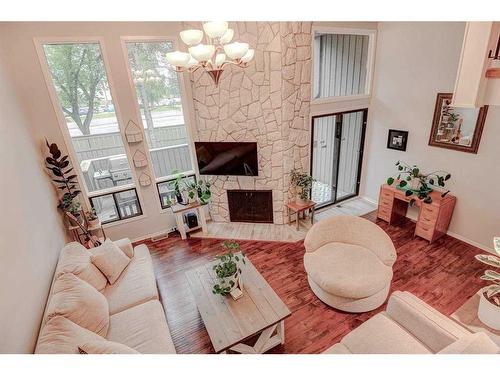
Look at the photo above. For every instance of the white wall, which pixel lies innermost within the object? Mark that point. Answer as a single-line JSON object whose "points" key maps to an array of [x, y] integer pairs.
{"points": [[31, 231], [415, 61]]}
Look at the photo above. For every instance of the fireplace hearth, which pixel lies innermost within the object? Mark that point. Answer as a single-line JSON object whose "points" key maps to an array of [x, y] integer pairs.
{"points": [[253, 206]]}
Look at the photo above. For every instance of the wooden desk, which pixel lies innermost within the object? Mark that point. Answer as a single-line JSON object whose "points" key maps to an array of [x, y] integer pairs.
{"points": [[180, 209], [433, 218], [294, 207]]}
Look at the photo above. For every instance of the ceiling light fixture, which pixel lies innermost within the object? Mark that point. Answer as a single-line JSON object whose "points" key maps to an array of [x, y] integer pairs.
{"points": [[212, 56]]}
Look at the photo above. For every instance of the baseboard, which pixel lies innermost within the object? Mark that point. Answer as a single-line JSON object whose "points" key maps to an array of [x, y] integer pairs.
{"points": [[450, 233], [152, 235]]}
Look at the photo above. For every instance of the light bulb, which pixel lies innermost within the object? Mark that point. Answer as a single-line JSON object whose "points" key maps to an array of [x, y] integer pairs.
{"points": [[178, 58], [215, 29], [219, 60], [202, 52], [248, 56], [227, 37], [236, 50], [191, 37]]}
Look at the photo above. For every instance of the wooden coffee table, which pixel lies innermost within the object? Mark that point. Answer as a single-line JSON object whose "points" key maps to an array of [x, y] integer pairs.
{"points": [[260, 312]]}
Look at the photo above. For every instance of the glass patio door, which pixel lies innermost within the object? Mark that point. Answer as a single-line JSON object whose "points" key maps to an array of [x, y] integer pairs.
{"points": [[337, 148]]}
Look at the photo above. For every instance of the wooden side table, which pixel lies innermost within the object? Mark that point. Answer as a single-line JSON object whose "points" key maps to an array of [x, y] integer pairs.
{"points": [[298, 208], [180, 209]]}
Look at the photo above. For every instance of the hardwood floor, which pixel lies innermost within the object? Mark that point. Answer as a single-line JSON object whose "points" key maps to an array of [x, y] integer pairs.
{"points": [[444, 274]]}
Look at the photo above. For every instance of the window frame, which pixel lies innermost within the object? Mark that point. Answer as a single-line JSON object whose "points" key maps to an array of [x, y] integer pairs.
{"points": [[39, 43], [113, 193], [372, 39], [186, 103]]}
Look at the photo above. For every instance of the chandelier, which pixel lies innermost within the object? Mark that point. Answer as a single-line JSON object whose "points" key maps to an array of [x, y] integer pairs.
{"points": [[212, 56]]}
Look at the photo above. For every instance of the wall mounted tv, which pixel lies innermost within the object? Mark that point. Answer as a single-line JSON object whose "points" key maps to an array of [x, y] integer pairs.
{"points": [[227, 158]]}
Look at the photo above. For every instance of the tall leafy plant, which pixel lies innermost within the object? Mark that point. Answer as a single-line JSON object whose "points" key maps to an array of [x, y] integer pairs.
{"points": [[302, 182], [61, 170]]}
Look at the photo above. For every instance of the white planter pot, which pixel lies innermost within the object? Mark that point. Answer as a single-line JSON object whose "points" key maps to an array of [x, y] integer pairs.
{"points": [[488, 313], [226, 282]]}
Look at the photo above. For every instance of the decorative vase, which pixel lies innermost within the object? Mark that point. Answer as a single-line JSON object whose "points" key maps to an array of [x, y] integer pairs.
{"points": [[226, 281], [415, 184], [488, 313]]}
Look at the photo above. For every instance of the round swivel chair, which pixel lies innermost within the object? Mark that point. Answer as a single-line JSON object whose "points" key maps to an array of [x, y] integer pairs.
{"points": [[349, 261]]}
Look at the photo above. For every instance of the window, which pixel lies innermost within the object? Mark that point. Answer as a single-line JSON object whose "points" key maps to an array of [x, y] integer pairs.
{"points": [[166, 189], [116, 206], [342, 62], [84, 97], [159, 98]]}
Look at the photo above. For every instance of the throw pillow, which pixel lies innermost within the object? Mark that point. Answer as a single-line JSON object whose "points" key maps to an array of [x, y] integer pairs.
{"points": [[79, 302], [106, 347], [76, 259], [62, 336], [110, 260]]}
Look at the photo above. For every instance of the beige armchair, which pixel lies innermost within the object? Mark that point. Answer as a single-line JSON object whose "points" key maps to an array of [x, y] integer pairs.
{"points": [[349, 262]]}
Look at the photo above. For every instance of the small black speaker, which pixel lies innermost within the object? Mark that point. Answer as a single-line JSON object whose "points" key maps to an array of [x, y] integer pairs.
{"points": [[191, 220]]}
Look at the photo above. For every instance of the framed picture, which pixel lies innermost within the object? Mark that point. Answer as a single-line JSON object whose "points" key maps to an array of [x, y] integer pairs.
{"points": [[397, 139], [456, 128]]}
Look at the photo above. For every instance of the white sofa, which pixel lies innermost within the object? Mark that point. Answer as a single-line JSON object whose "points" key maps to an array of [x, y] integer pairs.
{"points": [[136, 316], [410, 326], [349, 261]]}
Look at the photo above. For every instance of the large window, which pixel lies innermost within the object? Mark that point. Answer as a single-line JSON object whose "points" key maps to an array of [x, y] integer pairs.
{"points": [[84, 97], [342, 64], [117, 206], [159, 99]]}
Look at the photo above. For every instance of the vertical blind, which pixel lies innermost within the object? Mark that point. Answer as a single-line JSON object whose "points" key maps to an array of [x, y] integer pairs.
{"points": [[340, 65]]}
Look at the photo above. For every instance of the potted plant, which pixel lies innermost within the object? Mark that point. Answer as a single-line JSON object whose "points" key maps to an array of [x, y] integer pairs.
{"points": [[61, 170], [228, 270], [413, 182], [178, 188], [302, 183], [92, 218], [204, 192], [489, 302], [191, 192]]}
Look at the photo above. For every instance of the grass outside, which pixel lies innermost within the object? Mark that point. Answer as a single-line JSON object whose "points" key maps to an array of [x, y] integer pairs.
{"points": [[113, 114]]}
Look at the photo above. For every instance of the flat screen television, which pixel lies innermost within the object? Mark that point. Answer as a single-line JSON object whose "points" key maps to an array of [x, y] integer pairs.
{"points": [[227, 158]]}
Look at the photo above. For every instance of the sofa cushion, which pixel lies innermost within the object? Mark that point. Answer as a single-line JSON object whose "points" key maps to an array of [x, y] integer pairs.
{"points": [[477, 343], [80, 302], [62, 336], [105, 347], [143, 328], [381, 335], [136, 284], [126, 246], [110, 260], [75, 259], [346, 270]]}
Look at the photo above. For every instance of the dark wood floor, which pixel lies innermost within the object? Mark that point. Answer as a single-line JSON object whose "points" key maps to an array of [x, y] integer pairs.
{"points": [[443, 274]]}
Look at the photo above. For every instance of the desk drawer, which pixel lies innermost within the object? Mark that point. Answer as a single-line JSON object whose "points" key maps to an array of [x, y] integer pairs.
{"points": [[384, 213], [429, 212], [385, 202], [387, 194], [424, 231]]}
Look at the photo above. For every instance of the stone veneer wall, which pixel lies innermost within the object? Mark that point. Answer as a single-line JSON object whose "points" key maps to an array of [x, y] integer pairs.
{"points": [[267, 102]]}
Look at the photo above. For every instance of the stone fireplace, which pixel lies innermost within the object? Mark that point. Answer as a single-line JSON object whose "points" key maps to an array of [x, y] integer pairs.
{"points": [[268, 102], [254, 206]]}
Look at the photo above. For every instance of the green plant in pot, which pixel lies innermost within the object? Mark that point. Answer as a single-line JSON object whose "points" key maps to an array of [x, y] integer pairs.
{"points": [[178, 188], [414, 183], [61, 170], [489, 302], [204, 192], [302, 183], [228, 269]]}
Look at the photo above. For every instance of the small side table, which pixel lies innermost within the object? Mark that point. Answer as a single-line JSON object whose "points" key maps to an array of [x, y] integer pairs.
{"points": [[298, 208], [466, 315], [180, 209]]}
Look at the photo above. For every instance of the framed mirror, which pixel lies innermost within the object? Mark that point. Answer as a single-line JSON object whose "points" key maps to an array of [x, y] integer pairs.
{"points": [[456, 128]]}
